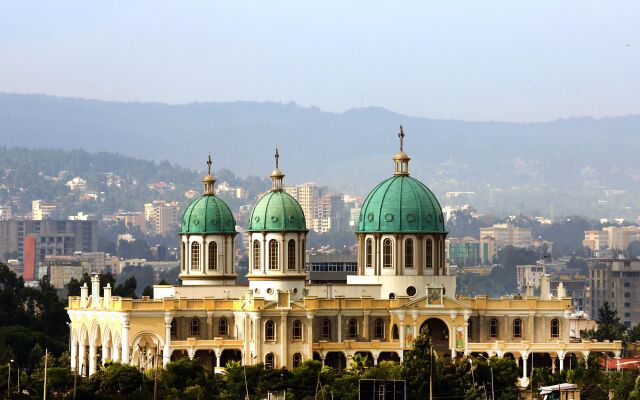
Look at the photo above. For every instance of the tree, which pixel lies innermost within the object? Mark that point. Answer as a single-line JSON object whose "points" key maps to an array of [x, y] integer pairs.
{"points": [[127, 288], [419, 365], [609, 325]]}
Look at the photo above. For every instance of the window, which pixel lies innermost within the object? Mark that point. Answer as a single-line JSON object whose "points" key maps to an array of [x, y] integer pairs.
{"points": [[326, 329], [291, 254], [297, 330], [368, 253], [223, 327], [493, 328], [195, 256], [269, 361], [411, 291], [469, 329], [555, 328], [174, 328], [352, 329], [627, 284], [517, 328], [627, 305], [387, 253], [270, 330], [297, 360], [256, 254], [392, 296], [626, 294], [184, 257], [273, 254], [195, 327], [378, 329], [627, 315], [213, 256], [428, 255], [408, 253], [395, 334]]}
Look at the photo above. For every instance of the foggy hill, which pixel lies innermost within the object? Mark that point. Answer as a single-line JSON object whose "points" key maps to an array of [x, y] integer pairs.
{"points": [[537, 166]]}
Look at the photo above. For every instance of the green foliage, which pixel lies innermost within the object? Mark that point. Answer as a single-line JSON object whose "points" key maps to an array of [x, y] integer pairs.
{"points": [[418, 365], [184, 373], [609, 325]]}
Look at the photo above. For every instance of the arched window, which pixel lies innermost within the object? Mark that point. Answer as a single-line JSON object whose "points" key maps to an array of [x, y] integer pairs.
{"points": [[256, 255], [387, 253], [326, 329], [184, 257], [297, 360], [493, 328], [378, 329], [352, 329], [174, 328], [213, 255], [273, 254], [517, 328], [368, 253], [555, 328], [223, 327], [195, 256], [269, 361], [395, 334], [428, 255], [195, 327], [408, 253], [270, 330], [291, 254], [297, 330]]}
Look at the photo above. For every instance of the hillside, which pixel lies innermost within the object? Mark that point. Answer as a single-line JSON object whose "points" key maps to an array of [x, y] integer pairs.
{"points": [[559, 167]]}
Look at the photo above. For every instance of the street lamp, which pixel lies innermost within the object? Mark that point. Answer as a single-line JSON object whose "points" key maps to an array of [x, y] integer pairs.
{"points": [[493, 394], [9, 379]]}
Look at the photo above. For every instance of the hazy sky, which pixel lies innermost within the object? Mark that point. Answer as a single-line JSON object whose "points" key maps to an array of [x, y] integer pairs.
{"points": [[476, 60]]}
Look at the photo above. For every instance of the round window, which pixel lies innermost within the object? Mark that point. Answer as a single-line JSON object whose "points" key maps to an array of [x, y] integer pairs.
{"points": [[295, 290], [257, 291], [269, 291], [411, 291], [292, 218], [388, 217], [256, 218], [411, 217], [370, 217], [274, 219]]}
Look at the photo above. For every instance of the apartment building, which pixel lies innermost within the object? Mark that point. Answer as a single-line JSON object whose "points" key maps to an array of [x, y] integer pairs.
{"points": [[508, 235], [616, 281]]}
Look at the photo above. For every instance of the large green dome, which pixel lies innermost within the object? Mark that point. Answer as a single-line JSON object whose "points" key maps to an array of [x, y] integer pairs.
{"points": [[277, 211], [208, 214], [401, 204]]}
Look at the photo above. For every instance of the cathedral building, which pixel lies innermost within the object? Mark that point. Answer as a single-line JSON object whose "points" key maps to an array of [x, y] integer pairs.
{"points": [[402, 285]]}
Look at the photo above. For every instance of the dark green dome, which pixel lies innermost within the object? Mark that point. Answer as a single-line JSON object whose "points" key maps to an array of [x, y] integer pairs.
{"points": [[401, 204], [277, 211], [208, 214]]}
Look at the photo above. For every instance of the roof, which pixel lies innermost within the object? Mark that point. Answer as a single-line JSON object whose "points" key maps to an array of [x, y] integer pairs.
{"points": [[208, 214], [277, 211], [401, 204]]}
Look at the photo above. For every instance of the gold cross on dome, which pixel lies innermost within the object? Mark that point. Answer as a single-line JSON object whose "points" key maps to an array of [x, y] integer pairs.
{"points": [[277, 157], [401, 136], [209, 164]]}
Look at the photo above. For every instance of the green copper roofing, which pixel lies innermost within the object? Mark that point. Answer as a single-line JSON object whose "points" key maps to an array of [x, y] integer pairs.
{"points": [[401, 204], [277, 211], [208, 214]]}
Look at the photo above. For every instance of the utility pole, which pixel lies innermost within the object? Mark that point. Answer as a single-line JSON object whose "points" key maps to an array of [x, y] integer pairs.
{"points": [[46, 356], [155, 377], [75, 376], [430, 371]]}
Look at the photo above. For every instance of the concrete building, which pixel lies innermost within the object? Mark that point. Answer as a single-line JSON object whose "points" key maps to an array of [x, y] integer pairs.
{"points": [[616, 281], [529, 276], [402, 285], [131, 218], [324, 210], [162, 216], [6, 212], [331, 268], [611, 237], [508, 235], [60, 269], [77, 184], [47, 238], [41, 210]]}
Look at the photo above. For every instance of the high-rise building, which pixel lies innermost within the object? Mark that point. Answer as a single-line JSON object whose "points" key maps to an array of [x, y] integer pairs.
{"points": [[611, 237], [616, 281], [162, 216], [325, 210], [28, 240]]}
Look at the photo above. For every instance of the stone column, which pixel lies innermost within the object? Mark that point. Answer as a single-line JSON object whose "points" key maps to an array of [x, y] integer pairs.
{"points": [[257, 329], [105, 353], [561, 358], [92, 357], [125, 339], [361, 252], [365, 325], [452, 341], [74, 353], [339, 327], [166, 352], [209, 325], [375, 358], [402, 334], [115, 352], [309, 328], [81, 358], [284, 357], [218, 353], [525, 357], [553, 364], [531, 328]]}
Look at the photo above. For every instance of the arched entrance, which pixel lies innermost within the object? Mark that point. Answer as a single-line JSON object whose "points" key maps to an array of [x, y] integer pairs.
{"points": [[230, 355], [439, 333]]}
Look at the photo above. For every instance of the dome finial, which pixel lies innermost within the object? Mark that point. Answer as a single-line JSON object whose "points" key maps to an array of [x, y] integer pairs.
{"points": [[209, 180], [276, 174], [401, 160]]}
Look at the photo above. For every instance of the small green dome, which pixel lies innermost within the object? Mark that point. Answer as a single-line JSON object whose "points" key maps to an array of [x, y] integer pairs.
{"points": [[208, 214], [277, 211], [401, 204]]}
